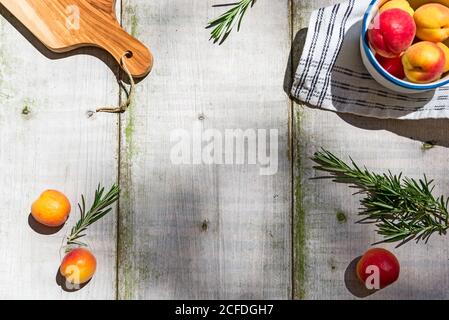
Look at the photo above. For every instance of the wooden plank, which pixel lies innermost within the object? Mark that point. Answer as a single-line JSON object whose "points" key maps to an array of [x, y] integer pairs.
{"points": [[49, 140], [326, 238], [205, 231]]}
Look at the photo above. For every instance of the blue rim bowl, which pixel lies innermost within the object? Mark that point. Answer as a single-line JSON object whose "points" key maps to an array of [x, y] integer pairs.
{"points": [[406, 85]]}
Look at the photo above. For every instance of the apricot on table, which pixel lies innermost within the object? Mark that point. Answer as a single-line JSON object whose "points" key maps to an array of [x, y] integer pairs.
{"points": [[391, 32], [78, 266], [379, 263], [432, 22], [51, 209], [424, 62]]}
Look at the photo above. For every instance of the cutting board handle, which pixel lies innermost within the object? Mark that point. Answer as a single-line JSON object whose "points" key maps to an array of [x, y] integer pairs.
{"points": [[119, 43]]}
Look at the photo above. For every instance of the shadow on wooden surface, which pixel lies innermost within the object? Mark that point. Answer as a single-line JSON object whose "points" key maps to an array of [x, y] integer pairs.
{"points": [[40, 228], [90, 51], [430, 131], [66, 286], [293, 59], [353, 284]]}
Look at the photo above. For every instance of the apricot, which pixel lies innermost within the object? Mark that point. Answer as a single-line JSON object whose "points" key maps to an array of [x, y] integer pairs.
{"points": [[424, 62], [432, 22], [398, 4], [415, 4], [392, 65], [51, 209], [445, 49], [391, 32], [378, 263], [78, 266]]}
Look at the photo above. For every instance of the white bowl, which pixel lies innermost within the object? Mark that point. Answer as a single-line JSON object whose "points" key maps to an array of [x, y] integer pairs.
{"points": [[378, 72]]}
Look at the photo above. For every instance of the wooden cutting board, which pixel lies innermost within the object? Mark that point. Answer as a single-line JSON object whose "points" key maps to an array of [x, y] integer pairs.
{"points": [[64, 25]]}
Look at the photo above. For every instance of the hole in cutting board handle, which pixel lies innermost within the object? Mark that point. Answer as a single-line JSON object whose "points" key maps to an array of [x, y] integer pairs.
{"points": [[129, 54], [130, 59], [126, 57]]}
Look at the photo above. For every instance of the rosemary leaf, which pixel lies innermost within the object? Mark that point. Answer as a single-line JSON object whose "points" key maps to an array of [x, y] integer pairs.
{"points": [[403, 209], [224, 24], [100, 208]]}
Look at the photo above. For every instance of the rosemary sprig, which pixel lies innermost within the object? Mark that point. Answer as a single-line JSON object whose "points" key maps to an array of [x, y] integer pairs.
{"points": [[99, 209], [224, 24], [402, 208]]}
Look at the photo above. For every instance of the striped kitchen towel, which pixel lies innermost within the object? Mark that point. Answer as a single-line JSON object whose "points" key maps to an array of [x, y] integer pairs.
{"points": [[331, 74]]}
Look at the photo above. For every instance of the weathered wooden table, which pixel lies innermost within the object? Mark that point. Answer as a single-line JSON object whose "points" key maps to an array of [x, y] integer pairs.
{"points": [[196, 231]]}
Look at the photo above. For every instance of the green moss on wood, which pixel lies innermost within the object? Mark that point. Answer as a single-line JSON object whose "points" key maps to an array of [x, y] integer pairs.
{"points": [[26, 110], [132, 24], [129, 130], [205, 226], [132, 20], [27, 107], [299, 219], [428, 145], [128, 269], [341, 217]]}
